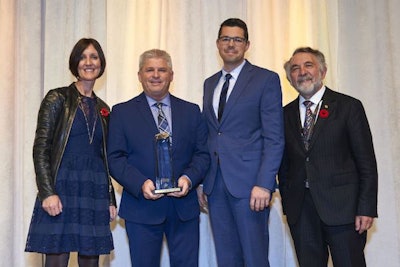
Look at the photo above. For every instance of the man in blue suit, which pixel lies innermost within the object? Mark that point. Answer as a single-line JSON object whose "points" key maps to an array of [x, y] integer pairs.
{"points": [[131, 153], [245, 140]]}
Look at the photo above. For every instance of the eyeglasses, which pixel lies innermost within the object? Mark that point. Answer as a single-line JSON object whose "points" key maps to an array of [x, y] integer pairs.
{"points": [[236, 40]]}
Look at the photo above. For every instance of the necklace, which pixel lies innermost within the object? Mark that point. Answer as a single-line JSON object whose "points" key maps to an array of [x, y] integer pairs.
{"points": [[90, 135]]}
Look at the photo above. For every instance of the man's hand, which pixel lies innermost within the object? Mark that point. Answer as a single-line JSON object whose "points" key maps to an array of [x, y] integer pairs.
{"points": [[184, 184], [202, 198], [52, 205], [113, 213], [363, 223], [259, 198], [148, 188]]}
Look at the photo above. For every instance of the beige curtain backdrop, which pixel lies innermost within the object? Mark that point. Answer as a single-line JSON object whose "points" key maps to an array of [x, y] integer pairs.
{"points": [[360, 39]]}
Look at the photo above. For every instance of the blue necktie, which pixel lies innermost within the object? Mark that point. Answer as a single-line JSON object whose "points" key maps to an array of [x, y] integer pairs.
{"points": [[162, 120], [222, 98]]}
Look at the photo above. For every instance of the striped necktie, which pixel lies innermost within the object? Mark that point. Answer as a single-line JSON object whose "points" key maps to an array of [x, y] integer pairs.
{"points": [[162, 119], [308, 124]]}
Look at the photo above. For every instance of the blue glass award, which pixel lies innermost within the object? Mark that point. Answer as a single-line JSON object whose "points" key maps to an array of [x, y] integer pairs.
{"points": [[165, 180]]}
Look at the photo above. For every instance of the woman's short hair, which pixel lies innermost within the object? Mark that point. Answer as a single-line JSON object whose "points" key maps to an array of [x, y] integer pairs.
{"points": [[77, 51]]}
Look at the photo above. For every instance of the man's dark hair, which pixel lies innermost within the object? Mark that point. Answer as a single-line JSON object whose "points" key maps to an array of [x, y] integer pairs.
{"points": [[235, 22]]}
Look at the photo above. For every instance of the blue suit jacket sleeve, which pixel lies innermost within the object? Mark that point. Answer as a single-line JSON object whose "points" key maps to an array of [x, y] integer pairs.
{"points": [[122, 170], [272, 133]]}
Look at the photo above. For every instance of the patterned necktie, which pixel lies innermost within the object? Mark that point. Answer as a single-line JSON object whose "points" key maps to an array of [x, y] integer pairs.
{"points": [[222, 98], [308, 124], [162, 120]]}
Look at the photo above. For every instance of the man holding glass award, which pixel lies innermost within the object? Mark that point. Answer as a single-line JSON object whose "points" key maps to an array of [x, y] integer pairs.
{"points": [[157, 151]]}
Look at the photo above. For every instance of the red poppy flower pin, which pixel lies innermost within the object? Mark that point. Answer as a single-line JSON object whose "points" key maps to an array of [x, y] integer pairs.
{"points": [[324, 113], [104, 112]]}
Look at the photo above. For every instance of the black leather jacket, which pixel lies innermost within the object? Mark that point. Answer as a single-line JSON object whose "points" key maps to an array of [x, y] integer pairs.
{"points": [[56, 114]]}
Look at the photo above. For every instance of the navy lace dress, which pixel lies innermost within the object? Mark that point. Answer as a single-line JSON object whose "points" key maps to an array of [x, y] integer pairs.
{"points": [[82, 186]]}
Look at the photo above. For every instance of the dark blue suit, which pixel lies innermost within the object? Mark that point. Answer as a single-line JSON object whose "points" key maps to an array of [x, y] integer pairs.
{"points": [[131, 155], [246, 147]]}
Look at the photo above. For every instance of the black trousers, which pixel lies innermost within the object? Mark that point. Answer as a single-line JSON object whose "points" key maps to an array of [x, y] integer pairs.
{"points": [[313, 240]]}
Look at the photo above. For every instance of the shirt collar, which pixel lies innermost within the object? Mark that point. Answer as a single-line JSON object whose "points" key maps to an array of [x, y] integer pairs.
{"points": [[316, 98], [235, 72], [166, 100]]}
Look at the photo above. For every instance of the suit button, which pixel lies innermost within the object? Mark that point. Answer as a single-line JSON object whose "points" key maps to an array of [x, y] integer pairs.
{"points": [[308, 159], [219, 133], [215, 154]]}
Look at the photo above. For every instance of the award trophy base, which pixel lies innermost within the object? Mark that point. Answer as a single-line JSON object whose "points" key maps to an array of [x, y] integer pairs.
{"points": [[167, 190]]}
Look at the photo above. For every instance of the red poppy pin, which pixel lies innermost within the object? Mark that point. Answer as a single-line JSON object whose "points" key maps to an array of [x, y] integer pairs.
{"points": [[324, 113], [104, 112]]}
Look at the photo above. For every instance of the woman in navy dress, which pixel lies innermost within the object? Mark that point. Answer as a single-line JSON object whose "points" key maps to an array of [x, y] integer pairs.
{"points": [[76, 200]]}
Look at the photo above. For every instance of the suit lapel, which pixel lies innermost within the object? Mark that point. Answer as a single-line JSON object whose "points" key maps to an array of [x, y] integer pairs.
{"points": [[144, 109], [328, 104], [294, 122], [240, 85], [209, 98], [176, 121]]}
